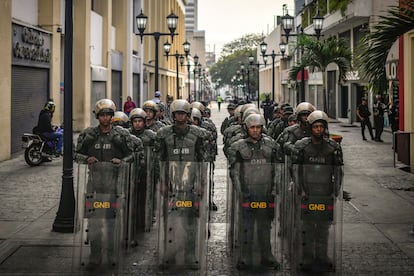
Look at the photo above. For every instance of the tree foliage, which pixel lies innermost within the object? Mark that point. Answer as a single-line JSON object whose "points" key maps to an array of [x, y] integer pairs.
{"points": [[234, 54], [319, 54], [374, 47], [249, 41]]}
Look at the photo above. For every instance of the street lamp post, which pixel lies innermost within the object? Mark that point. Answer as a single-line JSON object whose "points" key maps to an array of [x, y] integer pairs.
{"points": [[195, 58], [251, 63], [141, 21], [65, 216], [287, 24], [263, 49], [197, 71], [243, 72], [167, 47]]}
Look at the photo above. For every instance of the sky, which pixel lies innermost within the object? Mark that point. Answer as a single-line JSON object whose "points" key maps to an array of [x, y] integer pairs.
{"points": [[226, 20]]}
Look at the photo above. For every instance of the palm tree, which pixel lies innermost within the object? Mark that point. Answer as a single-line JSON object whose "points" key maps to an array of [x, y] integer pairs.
{"points": [[376, 45], [319, 54]]}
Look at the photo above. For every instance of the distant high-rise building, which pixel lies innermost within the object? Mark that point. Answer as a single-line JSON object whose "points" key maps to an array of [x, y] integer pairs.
{"points": [[191, 16]]}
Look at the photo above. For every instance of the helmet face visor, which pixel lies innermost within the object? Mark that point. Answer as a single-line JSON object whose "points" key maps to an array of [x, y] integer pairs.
{"points": [[105, 112]]}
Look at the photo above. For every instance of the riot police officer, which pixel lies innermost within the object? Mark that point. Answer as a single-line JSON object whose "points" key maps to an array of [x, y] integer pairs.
{"points": [[319, 177], [145, 179], [104, 144], [296, 132], [120, 119], [228, 120], [180, 148], [283, 122], [151, 108], [253, 175]]}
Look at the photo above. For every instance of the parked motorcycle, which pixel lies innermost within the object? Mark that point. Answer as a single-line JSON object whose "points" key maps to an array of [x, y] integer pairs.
{"points": [[38, 148]]}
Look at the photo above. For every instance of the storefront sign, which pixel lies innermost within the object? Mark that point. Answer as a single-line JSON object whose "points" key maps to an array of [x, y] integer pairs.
{"points": [[391, 69], [30, 47]]}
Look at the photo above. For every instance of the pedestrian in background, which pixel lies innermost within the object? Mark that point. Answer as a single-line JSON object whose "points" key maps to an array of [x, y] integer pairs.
{"points": [[45, 127], [378, 108], [129, 105], [394, 115], [157, 97], [363, 114], [219, 101], [267, 105]]}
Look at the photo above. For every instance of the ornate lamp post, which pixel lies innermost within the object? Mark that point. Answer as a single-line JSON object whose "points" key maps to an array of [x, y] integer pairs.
{"points": [[65, 216], [197, 71], [195, 58], [141, 21], [167, 48], [243, 72], [257, 64], [263, 49], [287, 25]]}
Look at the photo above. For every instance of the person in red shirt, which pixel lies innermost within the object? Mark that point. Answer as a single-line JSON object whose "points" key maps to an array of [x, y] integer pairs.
{"points": [[129, 105]]}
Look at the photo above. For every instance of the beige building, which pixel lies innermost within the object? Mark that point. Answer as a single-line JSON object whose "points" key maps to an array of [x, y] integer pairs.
{"points": [[109, 60]]}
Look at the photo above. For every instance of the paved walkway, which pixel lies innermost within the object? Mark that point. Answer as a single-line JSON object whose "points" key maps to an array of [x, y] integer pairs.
{"points": [[376, 220]]}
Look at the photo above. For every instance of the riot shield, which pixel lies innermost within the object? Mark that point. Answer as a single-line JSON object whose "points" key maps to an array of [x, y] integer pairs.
{"points": [[230, 214], [145, 184], [318, 218], [132, 202], [100, 223], [256, 227], [151, 169], [286, 201], [183, 215]]}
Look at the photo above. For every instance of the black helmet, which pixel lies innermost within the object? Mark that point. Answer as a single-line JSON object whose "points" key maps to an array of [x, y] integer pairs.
{"points": [[49, 106], [287, 110], [231, 106]]}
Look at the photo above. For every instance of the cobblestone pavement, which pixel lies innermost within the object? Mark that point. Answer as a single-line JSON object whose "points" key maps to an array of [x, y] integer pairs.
{"points": [[375, 233]]}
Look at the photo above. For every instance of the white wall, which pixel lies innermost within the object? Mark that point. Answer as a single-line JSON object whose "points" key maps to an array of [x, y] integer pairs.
{"points": [[96, 38], [26, 11]]}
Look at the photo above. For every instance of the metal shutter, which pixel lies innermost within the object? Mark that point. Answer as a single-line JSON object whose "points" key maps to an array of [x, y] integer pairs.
{"points": [[98, 92], [117, 89], [136, 93], [29, 94]]}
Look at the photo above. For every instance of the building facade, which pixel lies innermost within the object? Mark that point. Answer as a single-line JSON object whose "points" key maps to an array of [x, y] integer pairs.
{"points": [[109, 60], [351, 24]]}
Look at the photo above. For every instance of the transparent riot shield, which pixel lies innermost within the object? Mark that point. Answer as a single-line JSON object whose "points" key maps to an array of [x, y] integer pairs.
{"points": [[132, 201], [230, 213], [145, 184], [256, 224], [100, 228], [286, 201], [318, 218], [183, 215], [152, 166]]}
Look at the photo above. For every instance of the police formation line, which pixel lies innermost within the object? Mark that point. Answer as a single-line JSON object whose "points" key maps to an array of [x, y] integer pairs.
{"points": [[156, 167]]}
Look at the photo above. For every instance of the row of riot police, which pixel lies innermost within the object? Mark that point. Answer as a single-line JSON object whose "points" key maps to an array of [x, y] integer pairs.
{"points": [[131, 168], [284, 192]]}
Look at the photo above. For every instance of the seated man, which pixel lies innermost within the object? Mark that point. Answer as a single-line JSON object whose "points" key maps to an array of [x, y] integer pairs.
{"points": [[45, 128]]}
